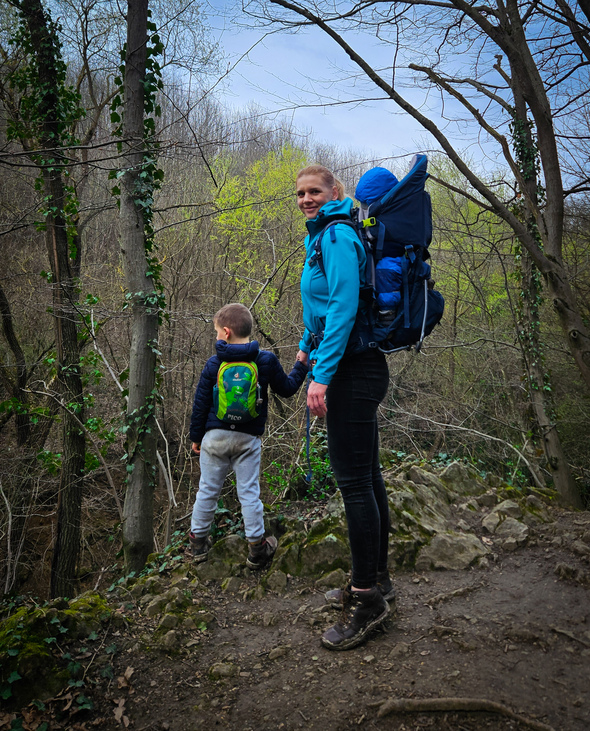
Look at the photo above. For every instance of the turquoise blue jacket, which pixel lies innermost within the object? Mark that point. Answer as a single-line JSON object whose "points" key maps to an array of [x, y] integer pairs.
{"points": [[330, 302]]}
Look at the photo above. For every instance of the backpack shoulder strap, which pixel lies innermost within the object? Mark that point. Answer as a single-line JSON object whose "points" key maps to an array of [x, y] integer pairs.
{"points": [[317, 246]]}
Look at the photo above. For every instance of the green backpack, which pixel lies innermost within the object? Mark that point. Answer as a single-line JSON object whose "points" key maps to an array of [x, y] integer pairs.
{"points": [[237, 393]]}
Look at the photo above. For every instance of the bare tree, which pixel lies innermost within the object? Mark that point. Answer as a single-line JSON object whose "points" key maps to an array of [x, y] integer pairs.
{"points": [[546, 48], [143, 299]]}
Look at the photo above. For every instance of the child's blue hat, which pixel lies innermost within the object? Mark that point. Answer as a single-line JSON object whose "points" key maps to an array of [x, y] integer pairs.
{"points": [[374, 184]]}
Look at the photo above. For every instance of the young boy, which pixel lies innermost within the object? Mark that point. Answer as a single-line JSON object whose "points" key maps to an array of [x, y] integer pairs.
{"points": [[223, 445]]}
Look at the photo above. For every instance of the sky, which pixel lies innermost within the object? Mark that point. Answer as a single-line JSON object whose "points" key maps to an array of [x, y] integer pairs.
{"points": [[308, 76]]}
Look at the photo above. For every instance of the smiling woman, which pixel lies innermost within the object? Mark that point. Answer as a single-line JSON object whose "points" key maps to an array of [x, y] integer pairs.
{"points": [[315, 186]]}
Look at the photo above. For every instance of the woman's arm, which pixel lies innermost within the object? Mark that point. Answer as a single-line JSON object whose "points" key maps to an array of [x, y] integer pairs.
{"points": [[341, 265]]}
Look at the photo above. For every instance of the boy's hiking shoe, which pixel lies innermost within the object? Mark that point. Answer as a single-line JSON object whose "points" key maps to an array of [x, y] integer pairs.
{"points": [[368, 609], [334, 597], [198, 547], [260, 554]]}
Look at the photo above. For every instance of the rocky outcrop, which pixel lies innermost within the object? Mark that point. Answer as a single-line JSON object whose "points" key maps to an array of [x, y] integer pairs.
{"points": [[450, 519], [451, 551]]}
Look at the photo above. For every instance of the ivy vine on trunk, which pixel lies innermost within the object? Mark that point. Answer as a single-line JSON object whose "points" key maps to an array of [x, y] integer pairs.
{"points": [[48, 111], [137, 180]]}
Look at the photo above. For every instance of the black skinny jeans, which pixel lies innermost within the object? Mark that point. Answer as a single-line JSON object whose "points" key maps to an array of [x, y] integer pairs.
{"points": [[353, 396]]}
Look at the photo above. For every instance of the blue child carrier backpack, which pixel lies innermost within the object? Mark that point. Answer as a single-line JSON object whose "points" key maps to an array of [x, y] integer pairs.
{"points": [[394, 224]]}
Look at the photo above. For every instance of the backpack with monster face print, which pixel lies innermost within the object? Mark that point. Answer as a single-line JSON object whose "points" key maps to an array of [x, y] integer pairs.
{"points": [[236, 394]]}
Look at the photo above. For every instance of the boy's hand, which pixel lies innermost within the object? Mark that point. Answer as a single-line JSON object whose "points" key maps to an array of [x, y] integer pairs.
{"points": [[196, 448], [316, 398], [302, 356]]}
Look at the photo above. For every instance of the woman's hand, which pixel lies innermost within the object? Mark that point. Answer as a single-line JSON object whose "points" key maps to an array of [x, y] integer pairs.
{"points": [[316, 398]]}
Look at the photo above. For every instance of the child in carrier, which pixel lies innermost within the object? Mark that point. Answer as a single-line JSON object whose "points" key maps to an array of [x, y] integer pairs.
{"points": [[372, 186], [229, 413]]}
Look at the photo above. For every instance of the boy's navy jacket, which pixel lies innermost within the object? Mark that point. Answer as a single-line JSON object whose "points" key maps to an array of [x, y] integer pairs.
{"points": [[270, 373]]}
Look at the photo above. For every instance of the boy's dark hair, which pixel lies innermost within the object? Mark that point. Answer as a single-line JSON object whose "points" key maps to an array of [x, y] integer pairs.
{"points": [[236, 317]]}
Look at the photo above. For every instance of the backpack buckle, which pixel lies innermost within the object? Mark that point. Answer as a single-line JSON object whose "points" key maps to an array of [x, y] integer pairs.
{"points": [[369, 222]]}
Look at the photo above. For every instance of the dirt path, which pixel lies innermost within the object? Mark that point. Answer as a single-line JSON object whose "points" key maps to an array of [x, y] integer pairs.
{"points": [[515, 632]]}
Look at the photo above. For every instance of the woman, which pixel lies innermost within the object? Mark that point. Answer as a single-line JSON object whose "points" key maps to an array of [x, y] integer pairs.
{"points": [[349, 380]]}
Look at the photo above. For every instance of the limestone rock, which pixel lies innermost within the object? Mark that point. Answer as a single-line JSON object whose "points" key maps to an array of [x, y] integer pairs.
{"points": [[223, 670], [509, 509], [188, 623], [450, 551], [170, 639], [504, 510], [231, 550], [511, 530], [401, 649], [137, 590], [581, 548], [277, 652], [421, 477], [332, 580], [287, 556], [232, 584], [487, 500], [156, 606], [335, 506], [211, 569], [470, 506], [277, 581], [175, 594], [154, 585], [322, 554], [169, 621], [461, 480]]}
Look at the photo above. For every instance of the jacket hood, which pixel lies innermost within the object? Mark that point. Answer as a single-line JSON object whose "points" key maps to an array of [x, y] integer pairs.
{"points": [[237, 351], [374, 184], [329, 211]]}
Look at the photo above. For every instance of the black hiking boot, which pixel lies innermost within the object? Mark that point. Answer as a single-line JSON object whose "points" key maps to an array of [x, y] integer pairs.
{"points": [[386, 587], [334, 597], [260, 554], [368, 610], [198, 547]]}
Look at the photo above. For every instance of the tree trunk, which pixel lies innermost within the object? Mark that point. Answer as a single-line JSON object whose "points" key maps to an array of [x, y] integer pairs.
{"points": [[539, 384], [46, 48], [539, 389], [141, 434], [69, 506]]}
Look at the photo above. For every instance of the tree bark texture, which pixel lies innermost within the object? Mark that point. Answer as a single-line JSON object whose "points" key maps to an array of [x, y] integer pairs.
{"points": [[141, 434], [17, 385], [67, 541], [540, 398], [539, 383]]}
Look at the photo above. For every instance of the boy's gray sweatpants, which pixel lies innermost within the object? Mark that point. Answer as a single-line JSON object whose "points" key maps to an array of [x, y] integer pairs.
{"points": [[222, 451]]}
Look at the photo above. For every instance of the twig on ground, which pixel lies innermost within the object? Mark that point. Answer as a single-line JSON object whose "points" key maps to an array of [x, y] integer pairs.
{"points": [[451, 594], [467, 705], [571, 635]]}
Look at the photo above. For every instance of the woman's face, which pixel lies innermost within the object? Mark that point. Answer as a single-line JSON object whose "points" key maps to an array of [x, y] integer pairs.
{"points": [[312, 193]]}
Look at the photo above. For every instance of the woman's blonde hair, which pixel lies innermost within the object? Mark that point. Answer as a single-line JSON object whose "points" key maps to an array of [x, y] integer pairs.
{"points": [[327, 176]]}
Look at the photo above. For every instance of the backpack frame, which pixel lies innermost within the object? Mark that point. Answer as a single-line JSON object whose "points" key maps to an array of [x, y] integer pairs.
{"points": [[407, 210]]}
